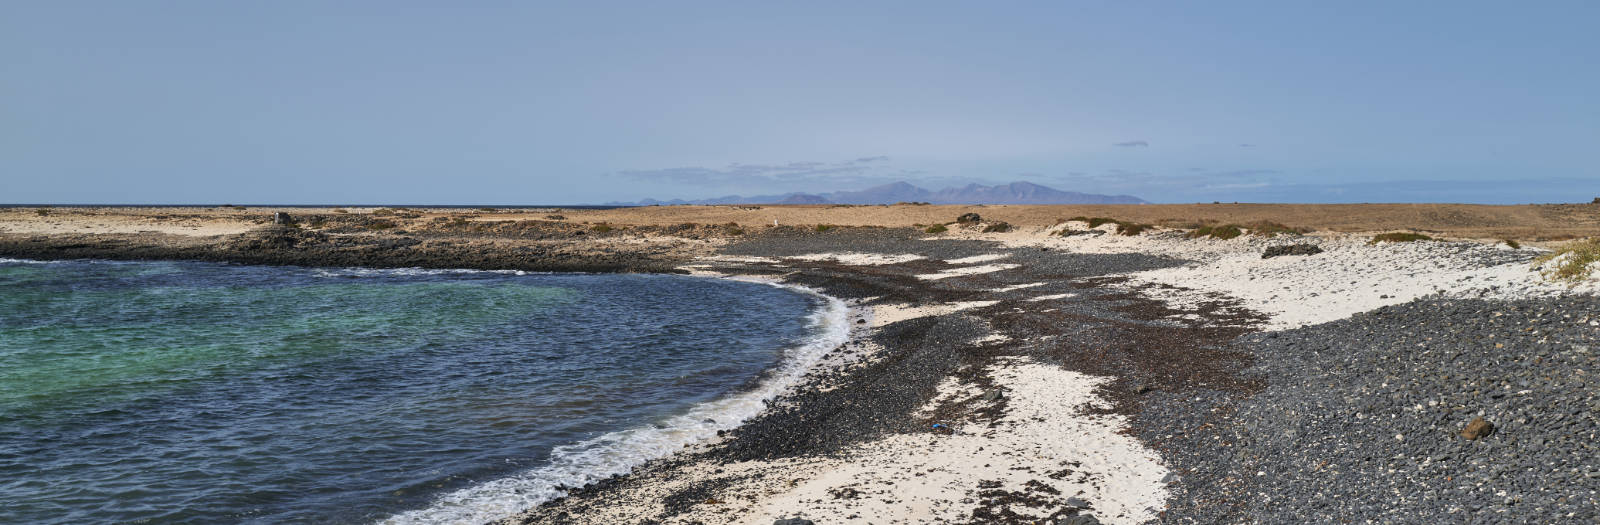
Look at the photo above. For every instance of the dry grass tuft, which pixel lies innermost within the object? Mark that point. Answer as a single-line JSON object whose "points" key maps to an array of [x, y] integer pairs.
{"points": [[1574, 261], [937, 228], [1130, 228], [1223, 232]]}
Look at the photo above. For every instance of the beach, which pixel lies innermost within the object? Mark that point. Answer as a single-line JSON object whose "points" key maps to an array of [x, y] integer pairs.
{"points": [[1051, 371]]}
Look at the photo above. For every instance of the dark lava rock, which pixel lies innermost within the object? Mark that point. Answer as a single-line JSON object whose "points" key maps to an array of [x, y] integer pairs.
{"points": [[1477, 428], [793, 521], [968, 218], [1291, 249], [282, 218]]}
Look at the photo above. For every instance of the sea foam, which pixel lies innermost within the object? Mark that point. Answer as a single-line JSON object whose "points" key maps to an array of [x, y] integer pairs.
{"points": [[619, 452]]}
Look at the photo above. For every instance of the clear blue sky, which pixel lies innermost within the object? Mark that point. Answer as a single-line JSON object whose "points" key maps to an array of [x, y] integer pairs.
{"points": [[539, 102]]}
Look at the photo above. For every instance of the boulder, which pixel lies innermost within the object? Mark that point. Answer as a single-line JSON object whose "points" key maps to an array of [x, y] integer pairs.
{"points": [[1291, 249], [1477, 428], [282, 218], [968, 218]]}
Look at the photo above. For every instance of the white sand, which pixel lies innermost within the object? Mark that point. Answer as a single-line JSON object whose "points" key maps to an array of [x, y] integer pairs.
{"points": [[1051, 297], [893, 313], [743, 259], [1015, 287], [859, 259], [1350, 277], [978, 258], [929, 477], [966, 270]]}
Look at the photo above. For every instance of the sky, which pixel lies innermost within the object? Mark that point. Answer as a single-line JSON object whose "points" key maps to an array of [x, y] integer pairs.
{"points": [[311, 102]]}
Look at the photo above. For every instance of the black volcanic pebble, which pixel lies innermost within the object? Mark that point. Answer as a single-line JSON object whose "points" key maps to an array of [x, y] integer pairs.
{"points": [[1362, 421]]}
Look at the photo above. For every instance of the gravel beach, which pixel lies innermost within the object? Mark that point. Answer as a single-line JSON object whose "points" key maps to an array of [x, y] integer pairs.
{"points": [[1032, 376]]}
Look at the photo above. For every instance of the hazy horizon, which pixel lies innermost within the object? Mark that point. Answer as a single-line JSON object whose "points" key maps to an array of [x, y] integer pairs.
{"points": [[509, 103]]}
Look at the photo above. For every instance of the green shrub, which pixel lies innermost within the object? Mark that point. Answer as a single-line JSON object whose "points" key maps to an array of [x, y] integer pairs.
{"points": [[1399, 237], [824, 227], [1130, 228], [601, 228], [41, 212], [1096, 222], [1512, 243], [1222, 232], [488, 210], [937, 228], [999, 227], [1575, 259], [1079, 218]]}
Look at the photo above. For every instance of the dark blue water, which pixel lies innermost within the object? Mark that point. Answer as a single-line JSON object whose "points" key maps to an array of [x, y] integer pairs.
{"points": [[182, 392]]}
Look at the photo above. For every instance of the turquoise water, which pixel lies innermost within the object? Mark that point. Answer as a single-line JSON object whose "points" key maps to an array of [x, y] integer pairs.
{"points": [[186, 392]]}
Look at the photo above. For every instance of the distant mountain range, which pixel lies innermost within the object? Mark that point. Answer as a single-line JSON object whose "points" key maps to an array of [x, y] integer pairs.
{"points": [[1014, 193]]}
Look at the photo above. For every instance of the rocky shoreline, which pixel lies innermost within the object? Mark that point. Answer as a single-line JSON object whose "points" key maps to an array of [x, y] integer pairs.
{"points": [[1247, 405], [285, 245]]}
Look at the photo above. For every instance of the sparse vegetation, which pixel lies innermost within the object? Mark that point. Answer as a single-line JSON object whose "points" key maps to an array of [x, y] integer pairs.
{"points": [[732, 228], [1573, 261], [317, 222], [383, 212], [824, 227], [1096, 222], [601, 228], [1512, 243], [937, 228], [381, 225], [999, 227], [556, 217], [1399, 237], [1222, 232], [340, 210], [1273, 229], [41, 212], [488, 210], [1130, 228]]}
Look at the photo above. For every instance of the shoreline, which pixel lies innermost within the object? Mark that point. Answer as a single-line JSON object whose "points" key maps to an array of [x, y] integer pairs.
{"points": [[641, 444], [1171, 343]]}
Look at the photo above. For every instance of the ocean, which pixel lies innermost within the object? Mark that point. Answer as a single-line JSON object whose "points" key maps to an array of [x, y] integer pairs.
{"points": [[192, 392]]}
